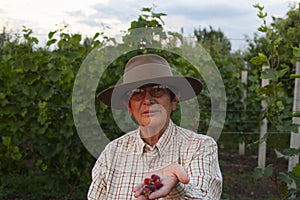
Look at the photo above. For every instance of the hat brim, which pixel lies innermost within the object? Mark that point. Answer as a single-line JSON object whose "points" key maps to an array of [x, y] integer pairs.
{"points": [[115, 97]]}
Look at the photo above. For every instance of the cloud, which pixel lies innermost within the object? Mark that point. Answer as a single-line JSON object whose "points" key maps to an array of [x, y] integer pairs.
{"points": [[235, 18], [204, 11], [117, 9], [76, 13], [108, 14], [189, 14], [217, 15]]}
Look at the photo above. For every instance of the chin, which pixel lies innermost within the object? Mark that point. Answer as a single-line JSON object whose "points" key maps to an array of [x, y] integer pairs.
{"points": [[155, 122]]}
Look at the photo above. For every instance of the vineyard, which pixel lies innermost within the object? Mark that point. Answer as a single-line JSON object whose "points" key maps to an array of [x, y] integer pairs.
{"points": [[43, 157]]}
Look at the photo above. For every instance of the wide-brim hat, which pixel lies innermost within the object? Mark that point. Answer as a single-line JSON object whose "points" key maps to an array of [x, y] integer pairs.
{"points": [[148, 69]]}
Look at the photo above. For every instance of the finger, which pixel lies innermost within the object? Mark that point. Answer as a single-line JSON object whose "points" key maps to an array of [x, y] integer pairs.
{"points": [[138, 187], [181, 174], [138, 190], [183, 178], [137, 194], [163, 191], [142, 197], [158, 194]]}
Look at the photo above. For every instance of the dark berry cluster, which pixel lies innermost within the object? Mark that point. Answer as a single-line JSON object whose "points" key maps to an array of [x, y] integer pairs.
{"points": [[151, 184]]}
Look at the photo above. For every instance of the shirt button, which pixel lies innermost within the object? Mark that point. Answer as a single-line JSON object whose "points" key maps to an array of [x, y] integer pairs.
{"points": [[151, 166]]}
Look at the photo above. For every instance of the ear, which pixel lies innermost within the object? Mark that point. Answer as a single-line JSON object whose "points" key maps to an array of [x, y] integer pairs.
{"points": [[129, 110], [175, 102], [177, 97]]}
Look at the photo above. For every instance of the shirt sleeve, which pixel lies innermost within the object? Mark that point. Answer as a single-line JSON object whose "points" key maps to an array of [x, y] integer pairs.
{"points": [[97, 188], [204, 173]]}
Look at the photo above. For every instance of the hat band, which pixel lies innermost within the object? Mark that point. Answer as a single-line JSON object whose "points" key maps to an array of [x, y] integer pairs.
{"points": [[146, 71]]}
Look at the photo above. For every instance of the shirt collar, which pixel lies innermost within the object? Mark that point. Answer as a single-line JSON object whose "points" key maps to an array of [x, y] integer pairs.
{"points": [[163, 141], [166, 138], [139, 142]]}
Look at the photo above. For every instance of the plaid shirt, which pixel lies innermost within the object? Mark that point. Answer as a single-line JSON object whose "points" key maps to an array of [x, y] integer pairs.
{"points": [[125, 161]]}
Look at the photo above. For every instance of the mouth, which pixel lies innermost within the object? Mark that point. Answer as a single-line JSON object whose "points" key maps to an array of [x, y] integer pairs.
{"points": [[150, 112]]}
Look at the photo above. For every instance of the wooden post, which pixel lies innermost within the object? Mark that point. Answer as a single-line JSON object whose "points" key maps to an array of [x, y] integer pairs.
{"points": [[244, 96], [242, 148], [263, 129], [295, 137]]}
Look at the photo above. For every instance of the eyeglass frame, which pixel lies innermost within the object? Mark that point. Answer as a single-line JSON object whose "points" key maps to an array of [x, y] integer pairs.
{"points": [[166, 88]]}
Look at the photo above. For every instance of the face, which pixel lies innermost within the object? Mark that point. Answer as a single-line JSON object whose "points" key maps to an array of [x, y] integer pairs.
{"points": [[151, 106]]}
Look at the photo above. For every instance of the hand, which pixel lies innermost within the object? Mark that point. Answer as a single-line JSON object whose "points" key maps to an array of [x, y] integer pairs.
{"points": [[169, 176]]}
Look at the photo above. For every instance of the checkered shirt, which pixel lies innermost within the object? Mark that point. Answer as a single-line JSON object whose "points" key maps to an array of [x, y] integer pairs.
{"points": [[125, 161]]}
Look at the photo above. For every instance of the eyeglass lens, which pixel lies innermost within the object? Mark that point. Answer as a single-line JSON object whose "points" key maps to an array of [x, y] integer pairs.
{"points": [[154, 91]]}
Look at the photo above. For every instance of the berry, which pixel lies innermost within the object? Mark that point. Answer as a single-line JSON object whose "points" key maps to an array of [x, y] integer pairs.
{"points": [[151, 187], [146, 191], [148, 181], [158, 185], [155, 177]]}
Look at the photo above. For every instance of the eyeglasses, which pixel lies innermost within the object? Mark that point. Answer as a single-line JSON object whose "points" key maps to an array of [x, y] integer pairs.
{"points": [[155, 91]]}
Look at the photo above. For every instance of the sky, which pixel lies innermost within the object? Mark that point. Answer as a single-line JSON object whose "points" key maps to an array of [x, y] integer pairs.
{"points": [[236, 18]]}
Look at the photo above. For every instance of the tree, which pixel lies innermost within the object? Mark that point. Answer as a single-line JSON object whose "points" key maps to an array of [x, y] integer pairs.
{"points": [[230, 65], [288, 29], [38, 139], [214, 41], [277, 110]]}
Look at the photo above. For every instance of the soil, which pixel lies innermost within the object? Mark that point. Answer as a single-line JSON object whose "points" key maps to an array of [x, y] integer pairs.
{"points": [[238, 181]]}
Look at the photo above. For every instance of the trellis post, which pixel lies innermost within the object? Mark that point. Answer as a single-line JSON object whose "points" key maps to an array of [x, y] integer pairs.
{"points": [[263, 128], [295, 137], [244, 96]]}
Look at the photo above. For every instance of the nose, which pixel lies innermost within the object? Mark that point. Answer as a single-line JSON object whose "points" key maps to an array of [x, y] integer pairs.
{"points": [[147, 99]]}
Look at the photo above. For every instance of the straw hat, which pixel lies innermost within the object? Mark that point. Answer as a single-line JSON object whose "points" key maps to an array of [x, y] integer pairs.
{"points": [[148, 69]]}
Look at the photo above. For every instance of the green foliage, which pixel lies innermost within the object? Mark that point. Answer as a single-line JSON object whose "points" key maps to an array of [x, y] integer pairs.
{"points": [[288, 29], [37, 129], [293, 180], [38, 140], [240, 117], [214, 41], [296, 52], [148, 18], [277, 95], [260, 172], [36, 187]]}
